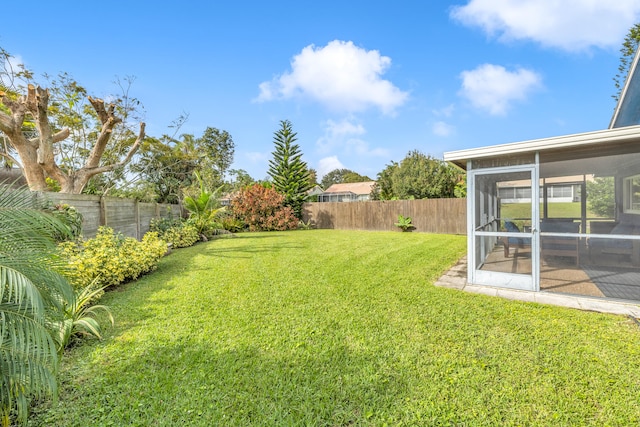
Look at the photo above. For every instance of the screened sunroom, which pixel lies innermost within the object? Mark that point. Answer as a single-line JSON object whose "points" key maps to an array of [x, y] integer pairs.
{"points": [[559, 214], [587, 243]]}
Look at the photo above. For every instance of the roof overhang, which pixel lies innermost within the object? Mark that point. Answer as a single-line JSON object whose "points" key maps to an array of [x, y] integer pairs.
{"points": [[591, 141]]}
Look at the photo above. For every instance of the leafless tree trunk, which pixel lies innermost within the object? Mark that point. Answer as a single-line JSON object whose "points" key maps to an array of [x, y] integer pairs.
{"points": [[37, 155]]}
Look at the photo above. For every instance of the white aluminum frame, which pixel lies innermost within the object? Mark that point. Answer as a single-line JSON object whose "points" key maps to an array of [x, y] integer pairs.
{"points": [[498, 279]]}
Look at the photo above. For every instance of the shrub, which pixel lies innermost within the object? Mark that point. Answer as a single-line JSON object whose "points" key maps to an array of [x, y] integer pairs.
{"points": [[175, 231], [181, 236], [160, 225], [111, 259], [231, 222], [262, 209]]}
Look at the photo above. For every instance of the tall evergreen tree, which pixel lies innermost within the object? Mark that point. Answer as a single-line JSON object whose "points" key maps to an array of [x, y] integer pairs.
{"points": [[290, 175]]}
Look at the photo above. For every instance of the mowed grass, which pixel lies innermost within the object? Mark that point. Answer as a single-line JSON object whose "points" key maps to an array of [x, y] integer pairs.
{"points": [[338, 328], [555, 210]]}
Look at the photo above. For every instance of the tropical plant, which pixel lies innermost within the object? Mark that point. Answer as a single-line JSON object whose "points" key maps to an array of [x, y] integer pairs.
{"points": [[31, 287], [81, 317], [69, 216], [404, 223], [289, 173], [203, 209], [263, 209]]}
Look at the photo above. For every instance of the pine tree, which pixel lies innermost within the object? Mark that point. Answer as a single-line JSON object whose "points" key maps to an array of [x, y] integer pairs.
{"points": [[290, 175]]}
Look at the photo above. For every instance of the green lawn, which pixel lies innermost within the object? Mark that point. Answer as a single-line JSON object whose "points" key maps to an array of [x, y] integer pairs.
{"points": [[336, 328], [555, 210]]}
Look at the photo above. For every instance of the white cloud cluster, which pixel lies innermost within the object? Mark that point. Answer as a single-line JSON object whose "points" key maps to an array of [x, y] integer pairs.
{"points": [[328, 164], [443, 129], [336, 134], [571, 25], [345, 136], [341, 76], [493, 88]]}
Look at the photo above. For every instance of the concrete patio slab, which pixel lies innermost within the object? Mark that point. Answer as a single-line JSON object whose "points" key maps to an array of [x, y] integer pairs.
{"points": [[456, 278]]}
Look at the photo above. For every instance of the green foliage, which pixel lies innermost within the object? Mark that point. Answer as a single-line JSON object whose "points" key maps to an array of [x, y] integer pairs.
{"points": [[313, 178], [417, 176], [52, 185], [460, 190], [342, 176], [240, 178], [30, 290], [166, 167], [203, 210], [70, 217], [263, 209], [305, 225], [216, 148], [175, 231], [160, 225], [110, 259], [81, 316], [601, 196], [288, 172], [404, 223], [181, 237], [231, 222], [627, 52]]}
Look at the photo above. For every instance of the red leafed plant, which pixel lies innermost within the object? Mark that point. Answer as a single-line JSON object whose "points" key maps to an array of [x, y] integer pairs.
{"points": [[263, 209]]}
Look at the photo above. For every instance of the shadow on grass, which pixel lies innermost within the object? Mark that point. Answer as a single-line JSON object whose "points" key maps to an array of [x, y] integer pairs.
{"points": [[198, 383], [236, 252]]}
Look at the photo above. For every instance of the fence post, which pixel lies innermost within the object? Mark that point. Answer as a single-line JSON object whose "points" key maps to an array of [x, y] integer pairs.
{"points": [[137, 218], [103, 211]]}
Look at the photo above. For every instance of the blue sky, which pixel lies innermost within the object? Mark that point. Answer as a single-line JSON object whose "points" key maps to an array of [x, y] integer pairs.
{"points": [[363, 82]]}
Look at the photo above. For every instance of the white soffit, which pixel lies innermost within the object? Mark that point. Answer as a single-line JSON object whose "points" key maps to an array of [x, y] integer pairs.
{"points": [[555, 143]]}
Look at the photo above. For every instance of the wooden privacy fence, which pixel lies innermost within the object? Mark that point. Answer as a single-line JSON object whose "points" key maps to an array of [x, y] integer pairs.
{"points": [[446, 216], [127, 216]]}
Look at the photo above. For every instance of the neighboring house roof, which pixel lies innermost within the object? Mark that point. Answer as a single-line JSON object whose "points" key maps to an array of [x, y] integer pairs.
{"points": [[315, 191], [627, 112], [361, 188]]}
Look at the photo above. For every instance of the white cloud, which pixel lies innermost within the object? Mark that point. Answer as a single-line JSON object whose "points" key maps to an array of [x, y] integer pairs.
{"points": [[570, 25], [328, 164], [256, 157], [341, 76], [442, 129], [493, 88], [344, 136], [444, 112], [336, 133]]}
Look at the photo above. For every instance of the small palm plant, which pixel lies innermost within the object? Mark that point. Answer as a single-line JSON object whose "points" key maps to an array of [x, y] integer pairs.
{"points": [[404, 223], [203, 209], [81, 317], [30, 290]]}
